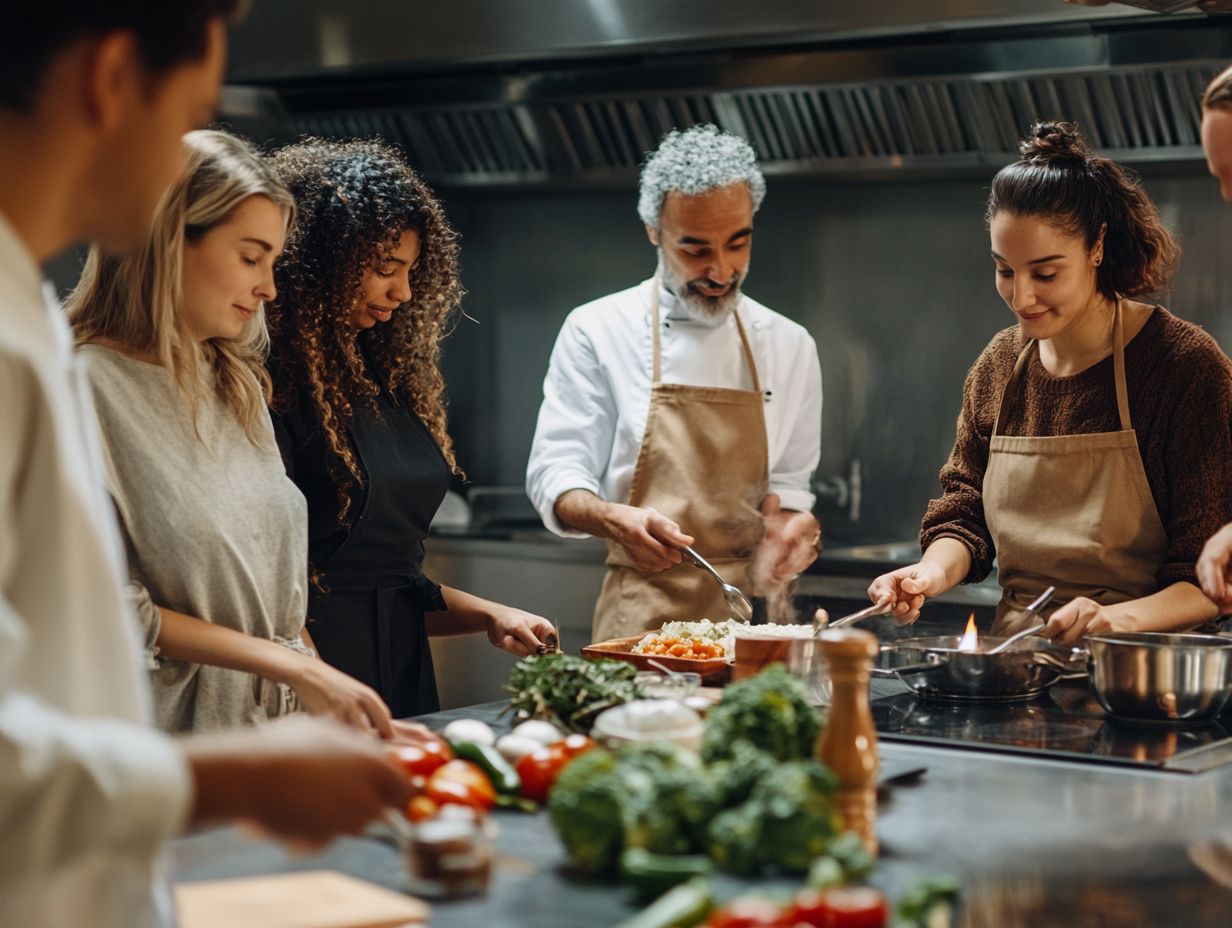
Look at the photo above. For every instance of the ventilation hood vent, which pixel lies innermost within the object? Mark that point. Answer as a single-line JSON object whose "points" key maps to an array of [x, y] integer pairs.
{"points": [[883, 109]]}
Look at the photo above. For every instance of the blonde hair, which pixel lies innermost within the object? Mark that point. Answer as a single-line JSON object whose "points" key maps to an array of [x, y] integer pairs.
{"points": [[1218, 94], [134, 300]]}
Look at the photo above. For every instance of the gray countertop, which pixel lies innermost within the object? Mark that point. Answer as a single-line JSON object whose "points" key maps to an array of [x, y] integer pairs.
{"points": [[1034, 842]]}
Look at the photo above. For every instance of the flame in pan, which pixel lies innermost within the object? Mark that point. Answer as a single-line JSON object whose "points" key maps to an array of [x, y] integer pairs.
{"points": [[970, 640]]}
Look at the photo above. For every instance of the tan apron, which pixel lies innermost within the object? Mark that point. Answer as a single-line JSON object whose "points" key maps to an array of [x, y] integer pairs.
{"points": [[703, 463], [1071, 511]]}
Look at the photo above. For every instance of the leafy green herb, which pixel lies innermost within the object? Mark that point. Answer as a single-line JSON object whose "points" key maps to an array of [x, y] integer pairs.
{"points": [[568, 690]]}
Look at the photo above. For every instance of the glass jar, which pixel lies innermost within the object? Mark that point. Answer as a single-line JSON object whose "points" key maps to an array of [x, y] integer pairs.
{"points": [[449, 855]]}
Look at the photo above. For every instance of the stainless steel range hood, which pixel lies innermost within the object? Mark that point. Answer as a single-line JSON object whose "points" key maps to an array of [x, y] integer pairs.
{"points": [[928, 85]]}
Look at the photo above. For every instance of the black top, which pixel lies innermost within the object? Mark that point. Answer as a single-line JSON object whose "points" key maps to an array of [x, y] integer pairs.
{"points": [[367, 603], [380, 542]]}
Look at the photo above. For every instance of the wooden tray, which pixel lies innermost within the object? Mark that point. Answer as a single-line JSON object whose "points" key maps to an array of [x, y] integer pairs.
{"points": [[712, 670]]}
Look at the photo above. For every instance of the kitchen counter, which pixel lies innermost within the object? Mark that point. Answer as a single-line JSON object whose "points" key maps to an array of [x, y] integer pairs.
{"points": [[1034, 843]]}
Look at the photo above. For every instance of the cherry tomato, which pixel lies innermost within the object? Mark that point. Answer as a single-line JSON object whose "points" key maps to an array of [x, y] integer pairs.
{"points": [[539, 768], [459, 782], [844, 907], [420, 759], [748, 912], [576, 744], [420, 808]]}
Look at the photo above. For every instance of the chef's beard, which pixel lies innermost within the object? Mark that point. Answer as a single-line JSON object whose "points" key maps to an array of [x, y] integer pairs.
{"points": [[697, 307]]}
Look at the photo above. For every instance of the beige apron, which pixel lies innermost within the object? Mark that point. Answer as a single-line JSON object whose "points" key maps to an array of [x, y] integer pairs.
{"points": [[1071, 511], [703, 463]]}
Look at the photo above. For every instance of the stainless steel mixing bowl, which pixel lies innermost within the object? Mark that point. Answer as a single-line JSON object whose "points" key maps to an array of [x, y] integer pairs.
{"points": [[1161, 678]]}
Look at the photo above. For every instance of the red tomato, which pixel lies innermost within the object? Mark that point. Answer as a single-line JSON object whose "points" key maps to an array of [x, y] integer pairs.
{"points": [[539, 768], [748, 912], [459, 782], [576, 744], [420, 808], [845, 907], [420, 760]]}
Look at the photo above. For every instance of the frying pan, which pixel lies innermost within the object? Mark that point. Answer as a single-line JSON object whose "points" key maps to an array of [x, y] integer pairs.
{"points": [[934, 668]]}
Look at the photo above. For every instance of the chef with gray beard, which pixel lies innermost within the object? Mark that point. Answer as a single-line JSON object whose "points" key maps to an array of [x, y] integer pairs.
{"points": [[681, 411]]}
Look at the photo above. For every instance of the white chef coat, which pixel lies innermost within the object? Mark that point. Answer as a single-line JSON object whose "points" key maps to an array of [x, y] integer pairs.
{"points": [[597, 394], [88, 791]]}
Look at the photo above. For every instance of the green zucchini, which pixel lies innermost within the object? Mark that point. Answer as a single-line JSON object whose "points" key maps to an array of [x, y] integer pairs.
{"points": [[652, 875], [504, 778], [683, 907]]}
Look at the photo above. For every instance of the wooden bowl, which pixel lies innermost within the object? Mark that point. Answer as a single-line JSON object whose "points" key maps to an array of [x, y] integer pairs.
{"points": [[712, 670]]}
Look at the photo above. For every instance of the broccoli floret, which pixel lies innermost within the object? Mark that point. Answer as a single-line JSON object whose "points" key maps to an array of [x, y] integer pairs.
{"points": [[669, 798], [798, 818], [735, 840], [585, 806], [771, 711], [788, 819], [734, 777]]}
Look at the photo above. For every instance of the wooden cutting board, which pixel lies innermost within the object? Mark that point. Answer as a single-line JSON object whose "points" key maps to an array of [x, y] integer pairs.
{"points": [[309, 899]]}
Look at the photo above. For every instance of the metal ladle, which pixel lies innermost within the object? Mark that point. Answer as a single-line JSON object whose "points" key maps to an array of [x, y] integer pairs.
{"points": [[740, 607]]}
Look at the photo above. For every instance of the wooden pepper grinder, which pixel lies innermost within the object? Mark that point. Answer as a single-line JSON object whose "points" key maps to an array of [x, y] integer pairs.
{"points": [[849, 744]]}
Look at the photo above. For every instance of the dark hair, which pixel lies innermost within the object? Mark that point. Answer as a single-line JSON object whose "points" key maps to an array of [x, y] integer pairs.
{"points": [[1058, 177], [35, 31], [1218, 95], [355, 197]]}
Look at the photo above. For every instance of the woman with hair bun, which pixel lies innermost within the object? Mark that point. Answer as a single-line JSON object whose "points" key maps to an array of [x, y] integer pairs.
{"points": [[366, 290], [1094, 445]]}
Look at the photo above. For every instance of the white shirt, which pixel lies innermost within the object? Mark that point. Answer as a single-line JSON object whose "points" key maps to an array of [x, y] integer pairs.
{"points": [[88, 791], [597, 394]]}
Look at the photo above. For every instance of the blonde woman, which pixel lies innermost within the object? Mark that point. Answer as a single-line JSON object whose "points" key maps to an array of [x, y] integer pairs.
{"points": [[175, 340]]}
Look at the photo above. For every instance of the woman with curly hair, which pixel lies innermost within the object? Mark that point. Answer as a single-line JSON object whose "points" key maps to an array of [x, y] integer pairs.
{"points": [[1094, 445], [175, 339], [366, 289]]}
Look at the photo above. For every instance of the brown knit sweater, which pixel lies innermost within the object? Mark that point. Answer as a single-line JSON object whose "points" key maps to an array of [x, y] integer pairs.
{"points": [[1180, 401]]}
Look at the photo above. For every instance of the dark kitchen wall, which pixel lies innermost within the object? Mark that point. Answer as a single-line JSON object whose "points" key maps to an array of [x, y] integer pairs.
{"points": [[893, 279]]}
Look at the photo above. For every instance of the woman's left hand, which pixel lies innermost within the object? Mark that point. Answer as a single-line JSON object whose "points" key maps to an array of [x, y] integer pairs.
{"points": [[1077, 619], [516, 631]]}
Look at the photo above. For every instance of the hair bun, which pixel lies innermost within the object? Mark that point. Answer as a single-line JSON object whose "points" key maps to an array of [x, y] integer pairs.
{"points": [[1054, 141]]}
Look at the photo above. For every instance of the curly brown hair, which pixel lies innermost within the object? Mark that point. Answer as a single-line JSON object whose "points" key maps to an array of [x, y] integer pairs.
{"points": [[1059, 177], [355, 198]]}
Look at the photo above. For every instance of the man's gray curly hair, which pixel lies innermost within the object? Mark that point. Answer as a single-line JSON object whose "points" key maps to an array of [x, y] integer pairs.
{"points": [[694, 161]]}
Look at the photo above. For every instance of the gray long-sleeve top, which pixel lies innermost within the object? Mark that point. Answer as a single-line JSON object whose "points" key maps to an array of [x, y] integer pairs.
{"points": [[213, 529]]}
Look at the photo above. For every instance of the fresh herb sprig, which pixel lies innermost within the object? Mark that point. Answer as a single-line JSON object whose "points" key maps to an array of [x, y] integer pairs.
{"points": [[568, 690]]}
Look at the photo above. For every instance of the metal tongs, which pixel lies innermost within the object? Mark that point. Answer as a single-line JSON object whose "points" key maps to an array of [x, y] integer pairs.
{"points": [[1030, 629], [866, 613]]}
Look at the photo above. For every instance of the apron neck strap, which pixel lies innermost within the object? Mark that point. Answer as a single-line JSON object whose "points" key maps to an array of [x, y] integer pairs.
{"points": [[1118, 365], [656, 350], [1118, 369]]}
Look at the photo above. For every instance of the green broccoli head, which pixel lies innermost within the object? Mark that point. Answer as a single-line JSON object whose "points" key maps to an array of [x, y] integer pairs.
{"points": [[734, 777], [735, 840], [585, 807], [771, 711], [668, 798], [798, 815]]}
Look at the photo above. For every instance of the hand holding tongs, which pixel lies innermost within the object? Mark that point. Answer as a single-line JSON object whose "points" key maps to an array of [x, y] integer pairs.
{"points": [[1029, 630]]}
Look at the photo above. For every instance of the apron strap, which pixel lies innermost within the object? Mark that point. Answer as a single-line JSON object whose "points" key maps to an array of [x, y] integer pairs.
{"points": [[656, 355], [1007, 401], [1118, 368]]}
